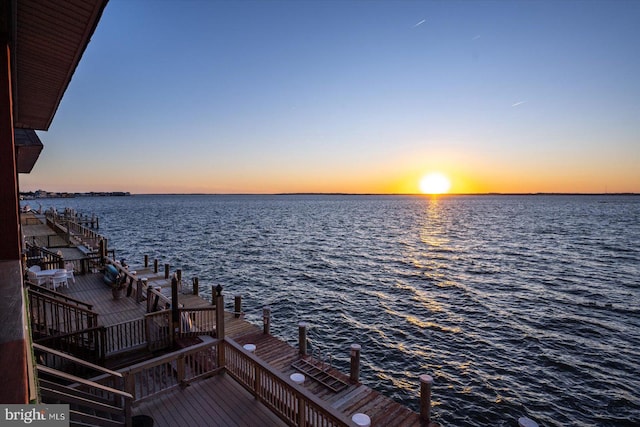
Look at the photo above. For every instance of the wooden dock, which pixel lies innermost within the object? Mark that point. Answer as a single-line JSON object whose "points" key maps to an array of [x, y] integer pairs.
{"points": [[203, 402], [234, 395]]}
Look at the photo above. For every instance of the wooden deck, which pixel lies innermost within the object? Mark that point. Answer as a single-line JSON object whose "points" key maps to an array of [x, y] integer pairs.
{"points": [[217, 401], [216, 398]]}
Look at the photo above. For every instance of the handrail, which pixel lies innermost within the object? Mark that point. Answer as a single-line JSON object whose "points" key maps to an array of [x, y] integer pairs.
{"points": [[79, 380], [293, 404], [42, 257], [50, 316], [149, 378], [58, 295], [65, 304], [82, 339], [76, 360], [125, 335]]}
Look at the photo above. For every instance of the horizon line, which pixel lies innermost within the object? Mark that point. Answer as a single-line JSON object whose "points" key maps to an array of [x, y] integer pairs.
{"points": [[539, 193]]}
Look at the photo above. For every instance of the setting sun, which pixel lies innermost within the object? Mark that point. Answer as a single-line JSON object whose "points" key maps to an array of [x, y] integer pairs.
{"points": [[435, 183]]}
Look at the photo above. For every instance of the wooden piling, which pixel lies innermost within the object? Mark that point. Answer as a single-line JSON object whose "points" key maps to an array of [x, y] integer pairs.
{"points": [[146, 261], [195, 286], [302, 338], [354, 371], [166, 271], [155, 266], [266, 320], [237, 306], [425, 397]]}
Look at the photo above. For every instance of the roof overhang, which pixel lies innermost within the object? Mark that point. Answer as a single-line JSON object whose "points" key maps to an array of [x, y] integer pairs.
{"points": [[28, 148], [48, 40]]}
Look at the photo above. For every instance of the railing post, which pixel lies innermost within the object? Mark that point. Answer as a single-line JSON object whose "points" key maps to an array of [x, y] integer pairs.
{"points": [[146, 261], [130, 383], [139, 290], [302, 338], [195, 286], [149, 295], [166, 271], [425, 397], [219, 313], [175, 314], [102, 250], [180, 368], [301, 411], [102, 343], [179, 275], [237, 306], [266, 320], [354, 372]]}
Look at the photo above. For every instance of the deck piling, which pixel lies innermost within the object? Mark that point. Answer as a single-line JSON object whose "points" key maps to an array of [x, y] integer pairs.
{"points": [[237, 306], [425, 397], [354, 371], [155, 266], [166, 271], [266, 320], [302, 338], [195, 286]]}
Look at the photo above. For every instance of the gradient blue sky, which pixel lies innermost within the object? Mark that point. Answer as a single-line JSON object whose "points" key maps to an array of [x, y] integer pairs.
{"points": [[351, 96]]}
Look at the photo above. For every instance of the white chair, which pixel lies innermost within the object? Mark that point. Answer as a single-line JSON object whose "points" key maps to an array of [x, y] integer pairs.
{"points": [[69, 267], [35, 268], [35, 279], [59, 279]]}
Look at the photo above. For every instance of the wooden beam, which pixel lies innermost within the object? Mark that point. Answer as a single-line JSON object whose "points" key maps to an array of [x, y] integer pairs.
{"points": [[9, 216]]}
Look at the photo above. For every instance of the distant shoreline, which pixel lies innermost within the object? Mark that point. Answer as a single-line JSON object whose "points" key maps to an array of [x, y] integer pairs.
{"points": [[63, 195]]}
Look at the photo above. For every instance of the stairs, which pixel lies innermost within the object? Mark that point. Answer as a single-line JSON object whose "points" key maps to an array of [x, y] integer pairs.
{"points": [[99, 401]]}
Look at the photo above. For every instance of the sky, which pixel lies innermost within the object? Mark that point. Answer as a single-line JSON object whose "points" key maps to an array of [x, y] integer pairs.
{"points": [[204, 96]]}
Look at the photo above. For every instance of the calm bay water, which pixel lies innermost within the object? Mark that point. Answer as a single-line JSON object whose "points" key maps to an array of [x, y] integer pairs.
{"points": [[516, 305]]}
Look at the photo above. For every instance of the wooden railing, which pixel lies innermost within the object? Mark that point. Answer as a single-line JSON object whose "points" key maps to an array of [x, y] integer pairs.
{"points": [[44, 258], [150, 378], [292, 403], [87, 397], [197, 321], [158, 330], [88, 344], [125, 336], [60, 296], [50, 316]]}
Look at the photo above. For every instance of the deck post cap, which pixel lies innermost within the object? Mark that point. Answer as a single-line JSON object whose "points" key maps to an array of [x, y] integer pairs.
{"points": [[249, 347], [361, 419], [356, 347], [297, 378], [426, 379], [526, 422], [302, 324]]}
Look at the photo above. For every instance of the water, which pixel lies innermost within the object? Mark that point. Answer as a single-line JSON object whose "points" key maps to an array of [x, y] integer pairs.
{"points": [[516, 305]]}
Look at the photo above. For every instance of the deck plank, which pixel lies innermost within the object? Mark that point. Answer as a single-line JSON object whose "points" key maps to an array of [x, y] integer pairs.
{"points": [[216, 401]]}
